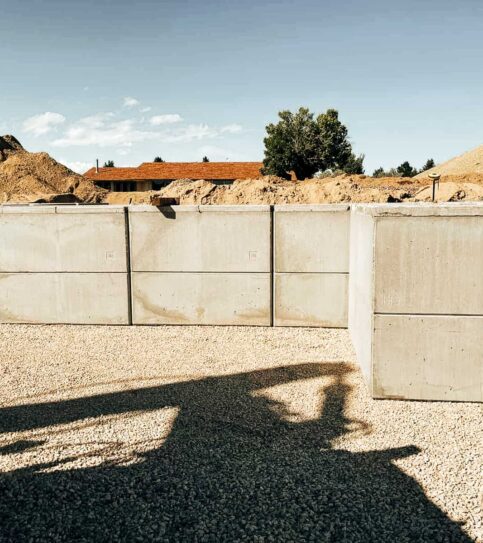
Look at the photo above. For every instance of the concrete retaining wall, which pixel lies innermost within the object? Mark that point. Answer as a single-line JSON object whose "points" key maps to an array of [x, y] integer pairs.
{"points": [[311, 260], [201, 265], [63, 264], [416, 299]]}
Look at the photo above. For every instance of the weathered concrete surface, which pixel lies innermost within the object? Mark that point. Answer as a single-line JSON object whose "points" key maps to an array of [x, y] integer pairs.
{"points": [[67, 298], [415, 339], [311, 262], [311, 299], [200, 238], [62, 239], [201, 298], [428, 357], [441, 258], [361, 289], [311, 238]]}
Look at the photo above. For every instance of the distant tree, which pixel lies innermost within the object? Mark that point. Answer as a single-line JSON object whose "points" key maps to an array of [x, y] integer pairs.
{"points": [[354, 164], [158, 159], [379, 172], [305, 145], [406, 170], [109, 164], [206, 159], [428, 165]]}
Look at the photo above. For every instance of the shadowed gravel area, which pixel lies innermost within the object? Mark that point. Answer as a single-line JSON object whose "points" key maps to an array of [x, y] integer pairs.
{"points": [[222, 434]]}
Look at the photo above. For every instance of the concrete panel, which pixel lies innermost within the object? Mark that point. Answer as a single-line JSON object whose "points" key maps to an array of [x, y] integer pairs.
{"points": [[361, 288], [311, 299], [62, 239], [415, 339], [430, 264], [428, 357], [200, 238], [71, 298], [201, 298], [311, 238]]}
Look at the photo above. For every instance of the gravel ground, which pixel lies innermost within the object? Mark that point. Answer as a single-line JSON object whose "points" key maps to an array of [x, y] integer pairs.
{"points": [[222, 434]]}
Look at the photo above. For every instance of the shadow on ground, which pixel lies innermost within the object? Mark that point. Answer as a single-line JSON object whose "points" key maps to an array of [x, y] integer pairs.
{"points": [[232, 469]]}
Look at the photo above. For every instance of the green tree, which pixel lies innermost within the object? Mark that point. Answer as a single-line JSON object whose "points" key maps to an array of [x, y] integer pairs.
{"points": [[335, 151], [429, 164], [206, 159], [354, 164], [292, 145], [379, 172], [109, 164], [158, 159], [406, 170], [305, 145]]}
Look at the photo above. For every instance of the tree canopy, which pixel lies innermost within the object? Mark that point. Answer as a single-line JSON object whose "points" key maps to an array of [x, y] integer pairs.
{"points": [[205, 159], [109, 164], [307, 145], [158, 159], [428, 165]]}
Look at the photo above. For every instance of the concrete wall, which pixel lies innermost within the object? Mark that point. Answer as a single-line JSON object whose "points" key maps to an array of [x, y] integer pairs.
{"points": [[63, 264], [201, 265], [311, 261], [416, 299]]}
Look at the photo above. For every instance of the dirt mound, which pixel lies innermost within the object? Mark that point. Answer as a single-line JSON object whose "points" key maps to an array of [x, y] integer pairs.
{"points": [[466, 167], [9, 145], [451, 192], [273, 190], [29, 177]]}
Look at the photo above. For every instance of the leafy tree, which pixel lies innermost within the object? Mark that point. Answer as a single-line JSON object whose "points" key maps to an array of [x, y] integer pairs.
{"points": [[379, 172], [292, 145], [429, 164], [206, 159], [335, 151], [406, 170], [354, 164], [109, 164], [305, 145], [158, 159]]}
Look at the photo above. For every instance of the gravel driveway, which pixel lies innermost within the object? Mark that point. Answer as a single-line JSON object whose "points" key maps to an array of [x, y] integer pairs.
{"points": [[222, 434]]}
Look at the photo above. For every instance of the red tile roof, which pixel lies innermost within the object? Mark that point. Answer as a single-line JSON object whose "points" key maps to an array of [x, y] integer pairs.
{"points": [[178, 170]]}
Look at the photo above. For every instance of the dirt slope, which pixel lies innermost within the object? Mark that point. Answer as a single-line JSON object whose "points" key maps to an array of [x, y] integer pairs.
{"points": [[465, 167], [28, 177]]}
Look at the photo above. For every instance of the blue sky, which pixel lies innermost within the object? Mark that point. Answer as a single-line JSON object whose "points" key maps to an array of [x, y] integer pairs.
{"points": [[181, 79]]}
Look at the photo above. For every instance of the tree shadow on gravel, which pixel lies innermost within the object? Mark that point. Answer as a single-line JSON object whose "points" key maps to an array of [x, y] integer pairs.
{"points": [[232, 469]]}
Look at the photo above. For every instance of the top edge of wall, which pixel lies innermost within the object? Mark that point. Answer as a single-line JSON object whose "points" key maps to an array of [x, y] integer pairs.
{"points": [[310, 207], [199, 208], [449, 209], [46, 209]]}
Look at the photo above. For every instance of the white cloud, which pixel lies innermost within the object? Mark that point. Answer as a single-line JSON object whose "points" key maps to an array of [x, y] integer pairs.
{"points": [[231, 128], [42, 123], [169, 118], [77, 165], [129, 101], [218, 154], [100, 130], [145, 109], [104, 130]]}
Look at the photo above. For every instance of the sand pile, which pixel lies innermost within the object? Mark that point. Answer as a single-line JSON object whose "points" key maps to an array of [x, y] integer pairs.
{"points": [[467, 167], [273, 190], [9, 145], [30, 177]]}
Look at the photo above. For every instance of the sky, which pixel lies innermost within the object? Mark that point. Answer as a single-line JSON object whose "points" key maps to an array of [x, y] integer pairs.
{"points": [[131, 80]]}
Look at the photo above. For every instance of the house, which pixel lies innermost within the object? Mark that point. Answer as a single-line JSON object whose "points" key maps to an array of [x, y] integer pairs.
{"points": [[155, 175]]}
